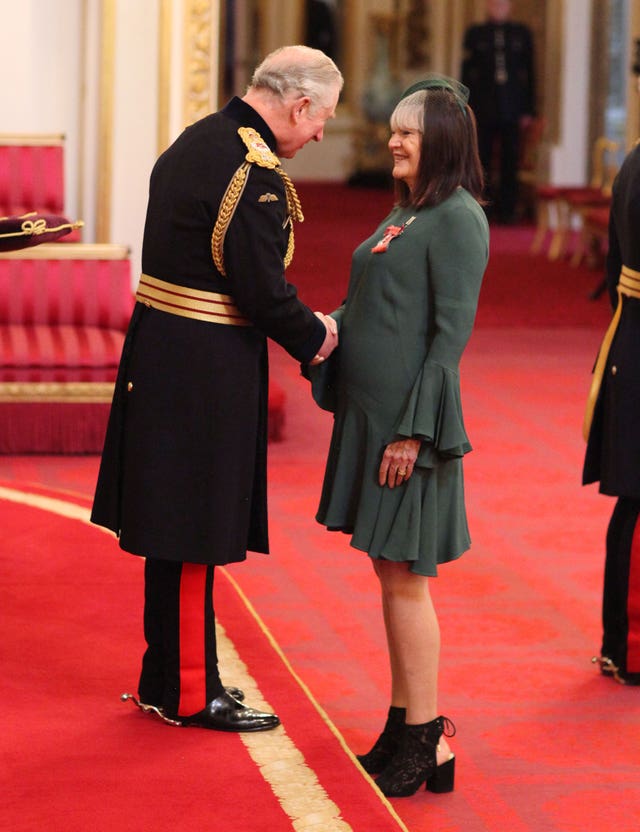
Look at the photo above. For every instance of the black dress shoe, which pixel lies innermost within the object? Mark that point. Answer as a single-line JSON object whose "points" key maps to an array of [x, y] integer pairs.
{"points": [[227, 714], [235, 692]]}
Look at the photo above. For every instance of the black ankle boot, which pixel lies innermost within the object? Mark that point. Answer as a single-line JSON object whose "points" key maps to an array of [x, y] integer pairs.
{"points": [[387, 743], [414, 763]]}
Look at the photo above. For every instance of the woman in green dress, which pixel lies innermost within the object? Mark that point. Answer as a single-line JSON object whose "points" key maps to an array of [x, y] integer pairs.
{"points": [[393, 479]]}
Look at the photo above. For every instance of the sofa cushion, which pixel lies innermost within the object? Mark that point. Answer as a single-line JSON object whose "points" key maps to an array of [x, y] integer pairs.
{"points": [[59, 353]]}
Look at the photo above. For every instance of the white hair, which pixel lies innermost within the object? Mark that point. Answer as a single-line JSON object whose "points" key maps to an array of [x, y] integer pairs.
{"points": [[300, 71], [409, 112]]}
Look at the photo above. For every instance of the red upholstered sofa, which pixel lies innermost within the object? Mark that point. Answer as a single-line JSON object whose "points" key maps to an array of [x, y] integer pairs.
{"points": [[64, 310]]}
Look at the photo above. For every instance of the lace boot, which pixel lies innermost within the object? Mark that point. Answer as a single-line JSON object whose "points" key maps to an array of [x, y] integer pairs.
{"points": [[414, 763], [376, 760]]}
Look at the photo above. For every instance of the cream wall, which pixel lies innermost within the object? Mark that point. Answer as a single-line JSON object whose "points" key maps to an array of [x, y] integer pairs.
{"points": [[40, 60], [135, 129]]}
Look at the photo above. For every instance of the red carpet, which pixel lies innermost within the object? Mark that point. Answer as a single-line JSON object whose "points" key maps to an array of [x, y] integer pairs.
{"points": [[544, 743], [75, 758]]}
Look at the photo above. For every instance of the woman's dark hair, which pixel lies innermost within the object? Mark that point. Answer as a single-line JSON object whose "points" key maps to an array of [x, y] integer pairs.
{"points": [[449, 151]]}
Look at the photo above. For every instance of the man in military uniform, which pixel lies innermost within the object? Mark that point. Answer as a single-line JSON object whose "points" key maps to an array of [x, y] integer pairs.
{"points": [[498, 69], [183, 474], [612, 425]]}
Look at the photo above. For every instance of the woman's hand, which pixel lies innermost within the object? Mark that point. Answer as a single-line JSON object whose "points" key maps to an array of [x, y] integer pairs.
{"points": [[398, 461]]}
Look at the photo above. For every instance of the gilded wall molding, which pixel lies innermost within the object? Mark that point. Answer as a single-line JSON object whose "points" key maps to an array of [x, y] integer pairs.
{"points": [[198, 60], [82, 113], [164, 74], [600, 63], [105, 120]]}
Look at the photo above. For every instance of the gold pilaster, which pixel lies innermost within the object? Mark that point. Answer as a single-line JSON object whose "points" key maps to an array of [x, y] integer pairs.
{"points": [[164, 73], [82, 107], [105, 129], [198, 59]]}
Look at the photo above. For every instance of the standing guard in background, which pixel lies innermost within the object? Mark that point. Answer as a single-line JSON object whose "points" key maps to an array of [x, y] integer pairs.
{"points": [[498, 70], [612, 428], [183, 475]]}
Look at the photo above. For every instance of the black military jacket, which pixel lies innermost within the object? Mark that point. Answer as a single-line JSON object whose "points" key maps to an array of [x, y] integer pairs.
{"points": [[183, 471], [613, 450]]}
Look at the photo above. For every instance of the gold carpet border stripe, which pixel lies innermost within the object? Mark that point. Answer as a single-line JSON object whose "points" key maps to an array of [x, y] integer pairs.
{"points": [[62, 507], [307, 692], [280, 762]]}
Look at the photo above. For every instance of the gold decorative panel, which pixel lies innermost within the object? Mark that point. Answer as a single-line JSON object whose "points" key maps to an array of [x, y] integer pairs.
{"points": [[105, 119], [198, 60]]}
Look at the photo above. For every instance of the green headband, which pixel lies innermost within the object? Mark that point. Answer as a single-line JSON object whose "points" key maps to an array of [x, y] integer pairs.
{"points": [[434, 81]]}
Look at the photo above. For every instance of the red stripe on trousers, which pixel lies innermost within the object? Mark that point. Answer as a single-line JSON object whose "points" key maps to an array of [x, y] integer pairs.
{"points": [[633, 605], [193, 687]]}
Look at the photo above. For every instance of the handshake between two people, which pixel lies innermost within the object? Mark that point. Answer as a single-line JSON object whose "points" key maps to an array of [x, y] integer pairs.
{"points": [[330, 341]]}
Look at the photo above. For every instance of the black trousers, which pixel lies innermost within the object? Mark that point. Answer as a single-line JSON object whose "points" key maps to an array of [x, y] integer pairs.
{"points": [[499, 141], [180, 664], [621, 595]]}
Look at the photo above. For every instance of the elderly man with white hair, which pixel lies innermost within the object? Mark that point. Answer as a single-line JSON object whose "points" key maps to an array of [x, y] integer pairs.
{"points": [[183, 475]]}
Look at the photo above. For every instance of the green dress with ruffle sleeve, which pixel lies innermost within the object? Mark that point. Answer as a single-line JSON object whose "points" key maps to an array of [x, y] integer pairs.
{"points": [[407, 318]]}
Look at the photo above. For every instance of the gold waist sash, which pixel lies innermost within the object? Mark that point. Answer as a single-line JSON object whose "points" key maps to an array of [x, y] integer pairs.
{"points": [[629, 286], [188, 302]]}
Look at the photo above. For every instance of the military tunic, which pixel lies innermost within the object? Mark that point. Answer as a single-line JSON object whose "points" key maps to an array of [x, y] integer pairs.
{"points": [[405, 323], [613, 450], [183, 472]]}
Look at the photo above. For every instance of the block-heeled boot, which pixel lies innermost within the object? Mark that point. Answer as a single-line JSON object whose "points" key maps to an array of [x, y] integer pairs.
{"points": [[415, 762], [376, 760]]}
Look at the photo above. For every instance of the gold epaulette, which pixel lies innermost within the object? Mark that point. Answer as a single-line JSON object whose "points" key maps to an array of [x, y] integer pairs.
{"points": [[258, 153]]}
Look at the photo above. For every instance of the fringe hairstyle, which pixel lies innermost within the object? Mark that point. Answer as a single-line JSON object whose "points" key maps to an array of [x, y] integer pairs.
{"points": [[449, 155]]}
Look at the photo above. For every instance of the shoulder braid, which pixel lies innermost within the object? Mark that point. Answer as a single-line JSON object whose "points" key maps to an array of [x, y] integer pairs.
{"points": [[260, 154]]}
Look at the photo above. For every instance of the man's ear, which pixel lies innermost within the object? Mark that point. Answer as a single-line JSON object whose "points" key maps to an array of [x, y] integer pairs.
{"points": [[299, 107]]}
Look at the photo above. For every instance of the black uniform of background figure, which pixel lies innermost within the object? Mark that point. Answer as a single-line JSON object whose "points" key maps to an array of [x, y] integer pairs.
{"points": [[498, 69]]}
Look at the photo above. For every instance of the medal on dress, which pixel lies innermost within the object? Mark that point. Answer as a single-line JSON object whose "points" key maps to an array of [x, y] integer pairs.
{"points": [[390, 233]]}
